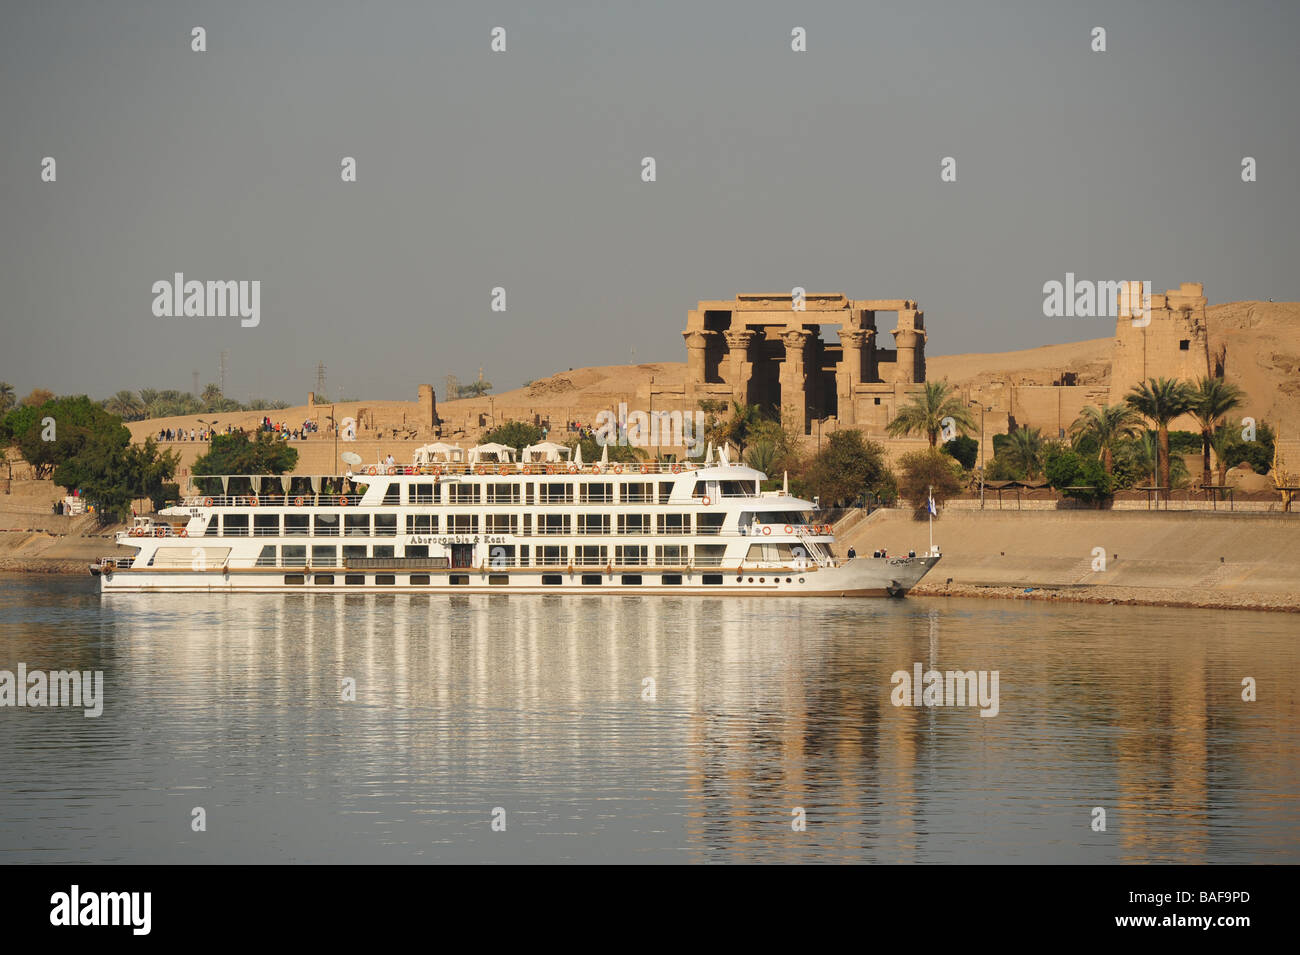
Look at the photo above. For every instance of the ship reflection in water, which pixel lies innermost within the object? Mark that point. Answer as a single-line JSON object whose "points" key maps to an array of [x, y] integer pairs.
{"points": [[644, 729]]}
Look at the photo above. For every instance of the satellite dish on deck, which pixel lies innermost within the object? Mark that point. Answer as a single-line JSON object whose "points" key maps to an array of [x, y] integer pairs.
{"points": [[351, 457]]}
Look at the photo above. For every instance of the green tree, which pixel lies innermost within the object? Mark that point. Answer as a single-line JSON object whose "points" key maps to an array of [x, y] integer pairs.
{"points": [[1161, 400], [238, 453], [926, 473], [964, 449], [38, 397], [514, 434], [7, 397], [126, 406], [1024, 451], [1077, 476], [1104, 428], [1212, 399], [927, 411], [846, 468]]}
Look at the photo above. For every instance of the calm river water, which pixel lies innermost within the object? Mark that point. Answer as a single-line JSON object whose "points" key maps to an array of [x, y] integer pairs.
{"points": [[643, 729]]}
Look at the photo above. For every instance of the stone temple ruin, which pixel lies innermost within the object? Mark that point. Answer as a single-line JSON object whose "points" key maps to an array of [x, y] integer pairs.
{"points": [[759, 349]]}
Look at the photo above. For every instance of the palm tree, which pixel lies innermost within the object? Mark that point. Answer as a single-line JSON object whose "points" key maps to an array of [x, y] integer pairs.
{"points": [[1212, 399], [1108, 426], [1025, 450], [744, 419], [125, 405], [926, 414], [1161, 400], [7, 397]]}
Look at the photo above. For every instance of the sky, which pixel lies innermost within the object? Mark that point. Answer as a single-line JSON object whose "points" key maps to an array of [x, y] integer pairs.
{"points": [[523, 170]]}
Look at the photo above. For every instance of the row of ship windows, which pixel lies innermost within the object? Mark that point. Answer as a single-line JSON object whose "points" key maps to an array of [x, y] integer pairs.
{"points": [[502, 580], [507, 555], [386, 525], [555, 492]]}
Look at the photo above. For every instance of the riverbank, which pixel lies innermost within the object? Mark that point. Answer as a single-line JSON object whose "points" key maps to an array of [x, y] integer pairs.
{"points": [[1237, 561]]}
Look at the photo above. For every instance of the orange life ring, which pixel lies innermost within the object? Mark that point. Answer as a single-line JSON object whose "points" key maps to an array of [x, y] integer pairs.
{"points": [[252, 501], [550, 469], [343, 500], [184, 532], [618, 469], [159, 532], [437, 469], [828, 529], [371, 469], [677, 469], [297, 501], [707, 500], [135, 532], [504, 469], [573, 469], [392, 469], [767, 529], [789, 529], [207, 502], [478, 469]]}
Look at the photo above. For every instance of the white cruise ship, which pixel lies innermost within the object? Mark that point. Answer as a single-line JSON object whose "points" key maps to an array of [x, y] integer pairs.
{"points": [[478, 521]]}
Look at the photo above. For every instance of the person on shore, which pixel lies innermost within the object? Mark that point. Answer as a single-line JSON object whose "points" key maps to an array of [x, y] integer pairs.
{"points": [[852, 553]]}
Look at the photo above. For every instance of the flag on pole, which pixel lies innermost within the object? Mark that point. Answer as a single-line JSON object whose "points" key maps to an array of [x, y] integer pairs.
{"points": [[930, 505]]}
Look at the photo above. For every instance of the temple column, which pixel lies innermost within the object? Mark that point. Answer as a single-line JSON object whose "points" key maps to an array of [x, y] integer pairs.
{"points": [[741, 368], [794, 379], [697, 344], [908, 339], [849, 373]]}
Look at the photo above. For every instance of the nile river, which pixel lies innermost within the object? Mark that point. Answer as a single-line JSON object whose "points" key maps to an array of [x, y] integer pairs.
{"points": [[643, 729]]}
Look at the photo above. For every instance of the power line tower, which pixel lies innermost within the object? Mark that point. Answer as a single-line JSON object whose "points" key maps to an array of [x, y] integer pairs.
{"points": [[320, 381], [225, 360]]}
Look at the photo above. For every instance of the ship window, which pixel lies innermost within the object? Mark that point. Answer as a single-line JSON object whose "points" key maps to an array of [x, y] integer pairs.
{"points": [[382, 550], [709, 555], [590, 555], [463, 493], [417, 550], [293, 555], [419, 580], [709, 523], [326, 525], [503, 494], [421, 523], [392, 495], [295, 579], [591, 579], [498, 580], [665, 491], [354, 580], [634, 523], [670, 555], [501, 555], [462, 523], [323, 579], [631, 579], [631, 556], [351, 551], [385, 580], [552, 523], [552, 580], [419, 494], [356, 525], [500, 523], [770, 552], [597, 493], [555, 492], [385, 525], [296, 525], [459, 580], [674, 523], [672, 578], [266, 525], [637, 492], [324, 555], [593, 523], [267, 557], [552, 556], [213, 528], [235, 525], [713, 579]]}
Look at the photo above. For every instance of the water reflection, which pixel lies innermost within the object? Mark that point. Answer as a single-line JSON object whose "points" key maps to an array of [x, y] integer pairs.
{"points": [[539, 705]]}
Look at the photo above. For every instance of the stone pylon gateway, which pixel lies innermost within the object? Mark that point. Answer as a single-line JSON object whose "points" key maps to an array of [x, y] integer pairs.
{"points": [[760, 349]]}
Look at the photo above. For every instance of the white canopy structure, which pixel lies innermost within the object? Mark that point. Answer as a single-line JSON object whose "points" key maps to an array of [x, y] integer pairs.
{"points": [[545, 452], [438, 454], [492, 454]]}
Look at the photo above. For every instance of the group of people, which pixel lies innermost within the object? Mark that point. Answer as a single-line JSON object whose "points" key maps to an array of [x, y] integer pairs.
{"points": [[289, 434], [180, 434]]}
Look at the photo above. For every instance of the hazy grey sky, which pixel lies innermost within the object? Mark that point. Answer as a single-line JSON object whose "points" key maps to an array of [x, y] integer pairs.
{"points": [[522, 169]]}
